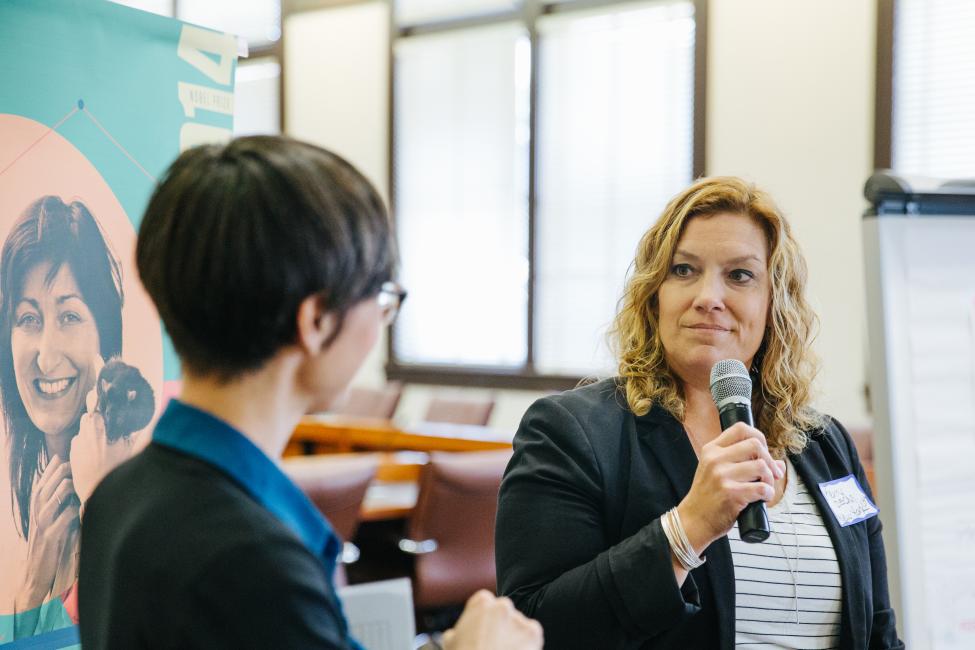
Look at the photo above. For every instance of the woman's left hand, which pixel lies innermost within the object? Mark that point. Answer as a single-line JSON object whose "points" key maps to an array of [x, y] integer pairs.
{"points": [[92, 454]]}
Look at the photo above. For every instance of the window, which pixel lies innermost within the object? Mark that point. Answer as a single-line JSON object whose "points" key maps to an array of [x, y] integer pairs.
{"points": [[257, 97], [615, 142], [257, 21], [531, 150], [461, 152], [412, 12], [933, 89]]}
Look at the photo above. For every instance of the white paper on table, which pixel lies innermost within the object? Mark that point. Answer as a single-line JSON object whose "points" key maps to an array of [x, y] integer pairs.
{"points": [[380, 614]]}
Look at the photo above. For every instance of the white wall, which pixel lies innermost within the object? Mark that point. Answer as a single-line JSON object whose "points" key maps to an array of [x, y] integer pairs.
{"points": [[336, 83], [790, 106]]}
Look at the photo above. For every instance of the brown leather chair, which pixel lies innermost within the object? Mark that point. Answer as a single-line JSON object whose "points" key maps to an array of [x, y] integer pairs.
{"points": [[451, 530], [336, 484], [460, 411], [863, 439], [371, 402]]}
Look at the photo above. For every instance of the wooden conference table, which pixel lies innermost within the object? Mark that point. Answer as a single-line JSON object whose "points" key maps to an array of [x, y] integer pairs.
{"points": [[332, 433], [403, 452]]}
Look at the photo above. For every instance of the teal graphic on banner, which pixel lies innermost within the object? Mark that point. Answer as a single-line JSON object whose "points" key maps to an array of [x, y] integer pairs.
{"points": [[97, 99]]}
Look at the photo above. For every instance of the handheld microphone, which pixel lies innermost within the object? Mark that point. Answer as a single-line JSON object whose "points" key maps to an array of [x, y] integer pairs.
{"points": [[731, 390]]}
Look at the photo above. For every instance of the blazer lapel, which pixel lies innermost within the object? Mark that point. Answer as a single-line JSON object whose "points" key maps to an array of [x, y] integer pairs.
{"points": [[664, 438], [813, 467]]}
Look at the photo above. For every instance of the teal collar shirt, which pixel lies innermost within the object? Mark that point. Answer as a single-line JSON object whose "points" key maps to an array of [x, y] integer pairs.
{"points": [[196, 433]]}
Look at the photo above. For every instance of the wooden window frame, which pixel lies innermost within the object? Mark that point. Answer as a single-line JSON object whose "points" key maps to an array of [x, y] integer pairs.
{"points": [[884, 99]]}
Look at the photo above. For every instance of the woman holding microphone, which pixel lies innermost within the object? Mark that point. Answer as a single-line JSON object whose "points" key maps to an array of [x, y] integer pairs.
{"points": [[620, 490]]}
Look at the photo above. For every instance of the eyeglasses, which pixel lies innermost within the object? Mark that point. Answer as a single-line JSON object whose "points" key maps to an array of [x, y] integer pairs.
{"points": [[390, 298]]}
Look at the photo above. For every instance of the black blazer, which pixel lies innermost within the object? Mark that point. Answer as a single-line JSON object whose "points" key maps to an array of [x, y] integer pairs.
{"points": [[175, 554], [580, 548]]}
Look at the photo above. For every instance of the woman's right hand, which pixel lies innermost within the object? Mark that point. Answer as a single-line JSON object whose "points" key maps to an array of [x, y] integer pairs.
{"points": [[54, 525], [488, 622], [733, 470]]}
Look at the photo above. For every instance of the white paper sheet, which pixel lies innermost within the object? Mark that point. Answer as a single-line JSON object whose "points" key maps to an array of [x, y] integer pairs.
{"points": [[941, 316], [380, 614]]}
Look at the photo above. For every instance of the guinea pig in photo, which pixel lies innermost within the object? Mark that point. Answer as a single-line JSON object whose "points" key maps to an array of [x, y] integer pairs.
{"points": [[125, 399]]}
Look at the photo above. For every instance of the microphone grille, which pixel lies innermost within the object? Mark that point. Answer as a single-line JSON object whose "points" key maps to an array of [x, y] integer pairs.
{"points": [[730, 379]]}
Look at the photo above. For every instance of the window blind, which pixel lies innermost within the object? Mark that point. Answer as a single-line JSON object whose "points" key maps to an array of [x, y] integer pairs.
{"points": [[409, 12], [933, 130], [461, 195], [616, 108]]}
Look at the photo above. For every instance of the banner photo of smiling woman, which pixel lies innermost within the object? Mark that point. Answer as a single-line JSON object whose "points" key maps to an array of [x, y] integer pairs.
{"points": [[60, 321]]}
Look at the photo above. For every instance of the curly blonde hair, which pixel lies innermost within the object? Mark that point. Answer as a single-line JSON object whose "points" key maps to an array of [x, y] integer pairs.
{"points": [[784, 366]]}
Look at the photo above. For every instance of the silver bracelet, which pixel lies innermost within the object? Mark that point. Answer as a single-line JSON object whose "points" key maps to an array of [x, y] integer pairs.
{"points": [[693, 559], [679, 542], [681, 546]]}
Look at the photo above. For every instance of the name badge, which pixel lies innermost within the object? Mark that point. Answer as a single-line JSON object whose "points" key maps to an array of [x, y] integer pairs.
{"points": [[848, 501]]}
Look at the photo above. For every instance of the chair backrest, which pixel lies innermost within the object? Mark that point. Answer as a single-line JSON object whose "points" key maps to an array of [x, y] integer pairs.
{"points": [[460, 411], [336, 484], [456, 507], [863, 439], [371, 402]]}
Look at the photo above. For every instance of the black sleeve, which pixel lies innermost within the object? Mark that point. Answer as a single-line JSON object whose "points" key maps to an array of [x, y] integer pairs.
{"points": [[271, 594], [554, 556], [883, 632]]}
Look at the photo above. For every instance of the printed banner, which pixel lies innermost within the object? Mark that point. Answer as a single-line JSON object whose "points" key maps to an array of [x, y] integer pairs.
{"points": [[96, 100]]}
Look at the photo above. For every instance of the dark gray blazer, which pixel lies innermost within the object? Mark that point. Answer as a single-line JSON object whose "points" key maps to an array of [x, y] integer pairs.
{"points": [[176, 554], [580, 548]]}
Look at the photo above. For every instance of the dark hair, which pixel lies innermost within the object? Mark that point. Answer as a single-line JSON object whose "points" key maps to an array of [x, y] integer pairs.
{"points": [[237, 235], [50, 230]]}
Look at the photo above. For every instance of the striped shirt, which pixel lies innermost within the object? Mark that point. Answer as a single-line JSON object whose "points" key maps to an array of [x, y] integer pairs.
{"points": [[791, 575]]}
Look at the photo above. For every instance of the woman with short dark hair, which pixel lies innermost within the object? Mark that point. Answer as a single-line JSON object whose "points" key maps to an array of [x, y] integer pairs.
{"points": [[282, 222], [271, 262]]}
